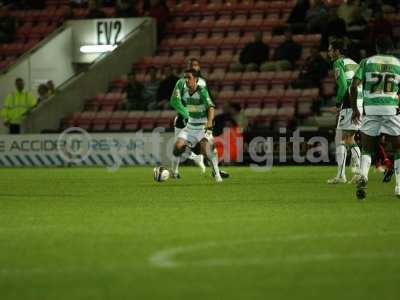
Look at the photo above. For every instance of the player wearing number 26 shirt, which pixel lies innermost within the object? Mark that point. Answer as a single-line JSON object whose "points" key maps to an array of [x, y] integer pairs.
{"points": [[380, 77]]}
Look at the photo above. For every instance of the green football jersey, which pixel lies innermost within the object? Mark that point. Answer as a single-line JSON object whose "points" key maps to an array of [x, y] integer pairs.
{"points": [[380, 75], [192, 106]]}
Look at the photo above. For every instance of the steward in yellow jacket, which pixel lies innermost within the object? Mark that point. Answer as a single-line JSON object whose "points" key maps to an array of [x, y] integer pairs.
{"points": [[16, 106]]}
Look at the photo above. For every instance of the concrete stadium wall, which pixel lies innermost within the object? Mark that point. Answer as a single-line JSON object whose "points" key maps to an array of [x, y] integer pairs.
{"points": [[72, 94], [99, 32], [51, 59]]}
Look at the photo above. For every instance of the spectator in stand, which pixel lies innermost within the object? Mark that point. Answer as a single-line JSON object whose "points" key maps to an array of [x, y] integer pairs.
{"points": [[29, 4], [50, 87], [126, 9], [146, 6], [43, 92], [297, 17], [349, 10], [94, 10], [165, 89], [16, 106], [224, 120], [357, 26], [159, 11], [288, 52], [7, 29], [78, 3], [151, 87], [313, 71], [378, 26], [108, 3], [315, 16], [134, 94], [333, 26], [254, 53]]}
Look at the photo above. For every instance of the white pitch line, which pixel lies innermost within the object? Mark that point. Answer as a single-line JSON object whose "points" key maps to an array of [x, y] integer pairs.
{"points": [[166, 258]]}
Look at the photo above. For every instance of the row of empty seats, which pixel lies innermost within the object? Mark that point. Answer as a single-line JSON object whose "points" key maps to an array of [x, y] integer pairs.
{"points": [[119, 120], [205, 8], [233, 41], [34, 25], [259, 97], [147, 120], [178, 60], [214, 33], [225, 24]]}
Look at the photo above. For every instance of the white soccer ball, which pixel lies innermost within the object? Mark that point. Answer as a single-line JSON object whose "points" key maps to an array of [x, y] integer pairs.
{"points": [[160, 174]]}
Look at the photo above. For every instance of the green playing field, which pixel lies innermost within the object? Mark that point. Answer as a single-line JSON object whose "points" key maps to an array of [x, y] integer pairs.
{"points": [[285, 234]]}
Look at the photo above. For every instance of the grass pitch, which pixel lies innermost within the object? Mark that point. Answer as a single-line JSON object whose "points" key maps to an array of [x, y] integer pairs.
{"points": [[285, 234]]}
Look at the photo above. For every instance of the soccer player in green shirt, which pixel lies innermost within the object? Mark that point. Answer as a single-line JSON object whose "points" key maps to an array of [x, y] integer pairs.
{"points": [[380, 77], [180, 121], [344, 69], [199, 111]]}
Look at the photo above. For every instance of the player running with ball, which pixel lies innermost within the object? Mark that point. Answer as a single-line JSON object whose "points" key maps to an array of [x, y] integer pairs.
{"points": [[380, 76], [199, 111], [180, 121]]}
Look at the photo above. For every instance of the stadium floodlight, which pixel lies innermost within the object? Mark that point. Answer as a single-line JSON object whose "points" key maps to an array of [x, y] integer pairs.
{"points": [[97, 48]]}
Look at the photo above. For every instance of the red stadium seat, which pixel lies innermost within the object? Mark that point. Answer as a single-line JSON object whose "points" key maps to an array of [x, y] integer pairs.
{"points": [[248, 37], [208, 59], [264, 78], [205, 25], [222, 24], [244, 7], [91, 105], [70, 120], [165, 119], [223, 60], [232, 78], [291, 95], [238, 22], [212, 9], [252, 114], [99, 123], [281, 77], [132, 120], [149, 119], [229, 43], [274, 95], [84, 120], [254, 23], [116, 121], [249, 77], [109, 11], [304, 109]]}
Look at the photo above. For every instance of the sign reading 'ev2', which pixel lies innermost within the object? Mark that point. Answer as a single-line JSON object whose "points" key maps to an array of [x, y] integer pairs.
{"points": [[109, 31]]}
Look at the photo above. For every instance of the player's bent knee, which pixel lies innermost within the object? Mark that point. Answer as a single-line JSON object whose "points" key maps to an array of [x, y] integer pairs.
{"points": [[179, 148]]}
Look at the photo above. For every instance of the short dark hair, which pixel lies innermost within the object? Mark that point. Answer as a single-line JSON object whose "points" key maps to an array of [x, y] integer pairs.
{"points": [[18, 79], [192, 59], [338, 44], [193, 72], [383, 44]]}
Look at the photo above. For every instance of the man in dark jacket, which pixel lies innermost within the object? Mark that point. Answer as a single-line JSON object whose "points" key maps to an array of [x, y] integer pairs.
{"points": [[134, 94], [165, 89], [254, 53], [289, 50], [313, 71]]}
